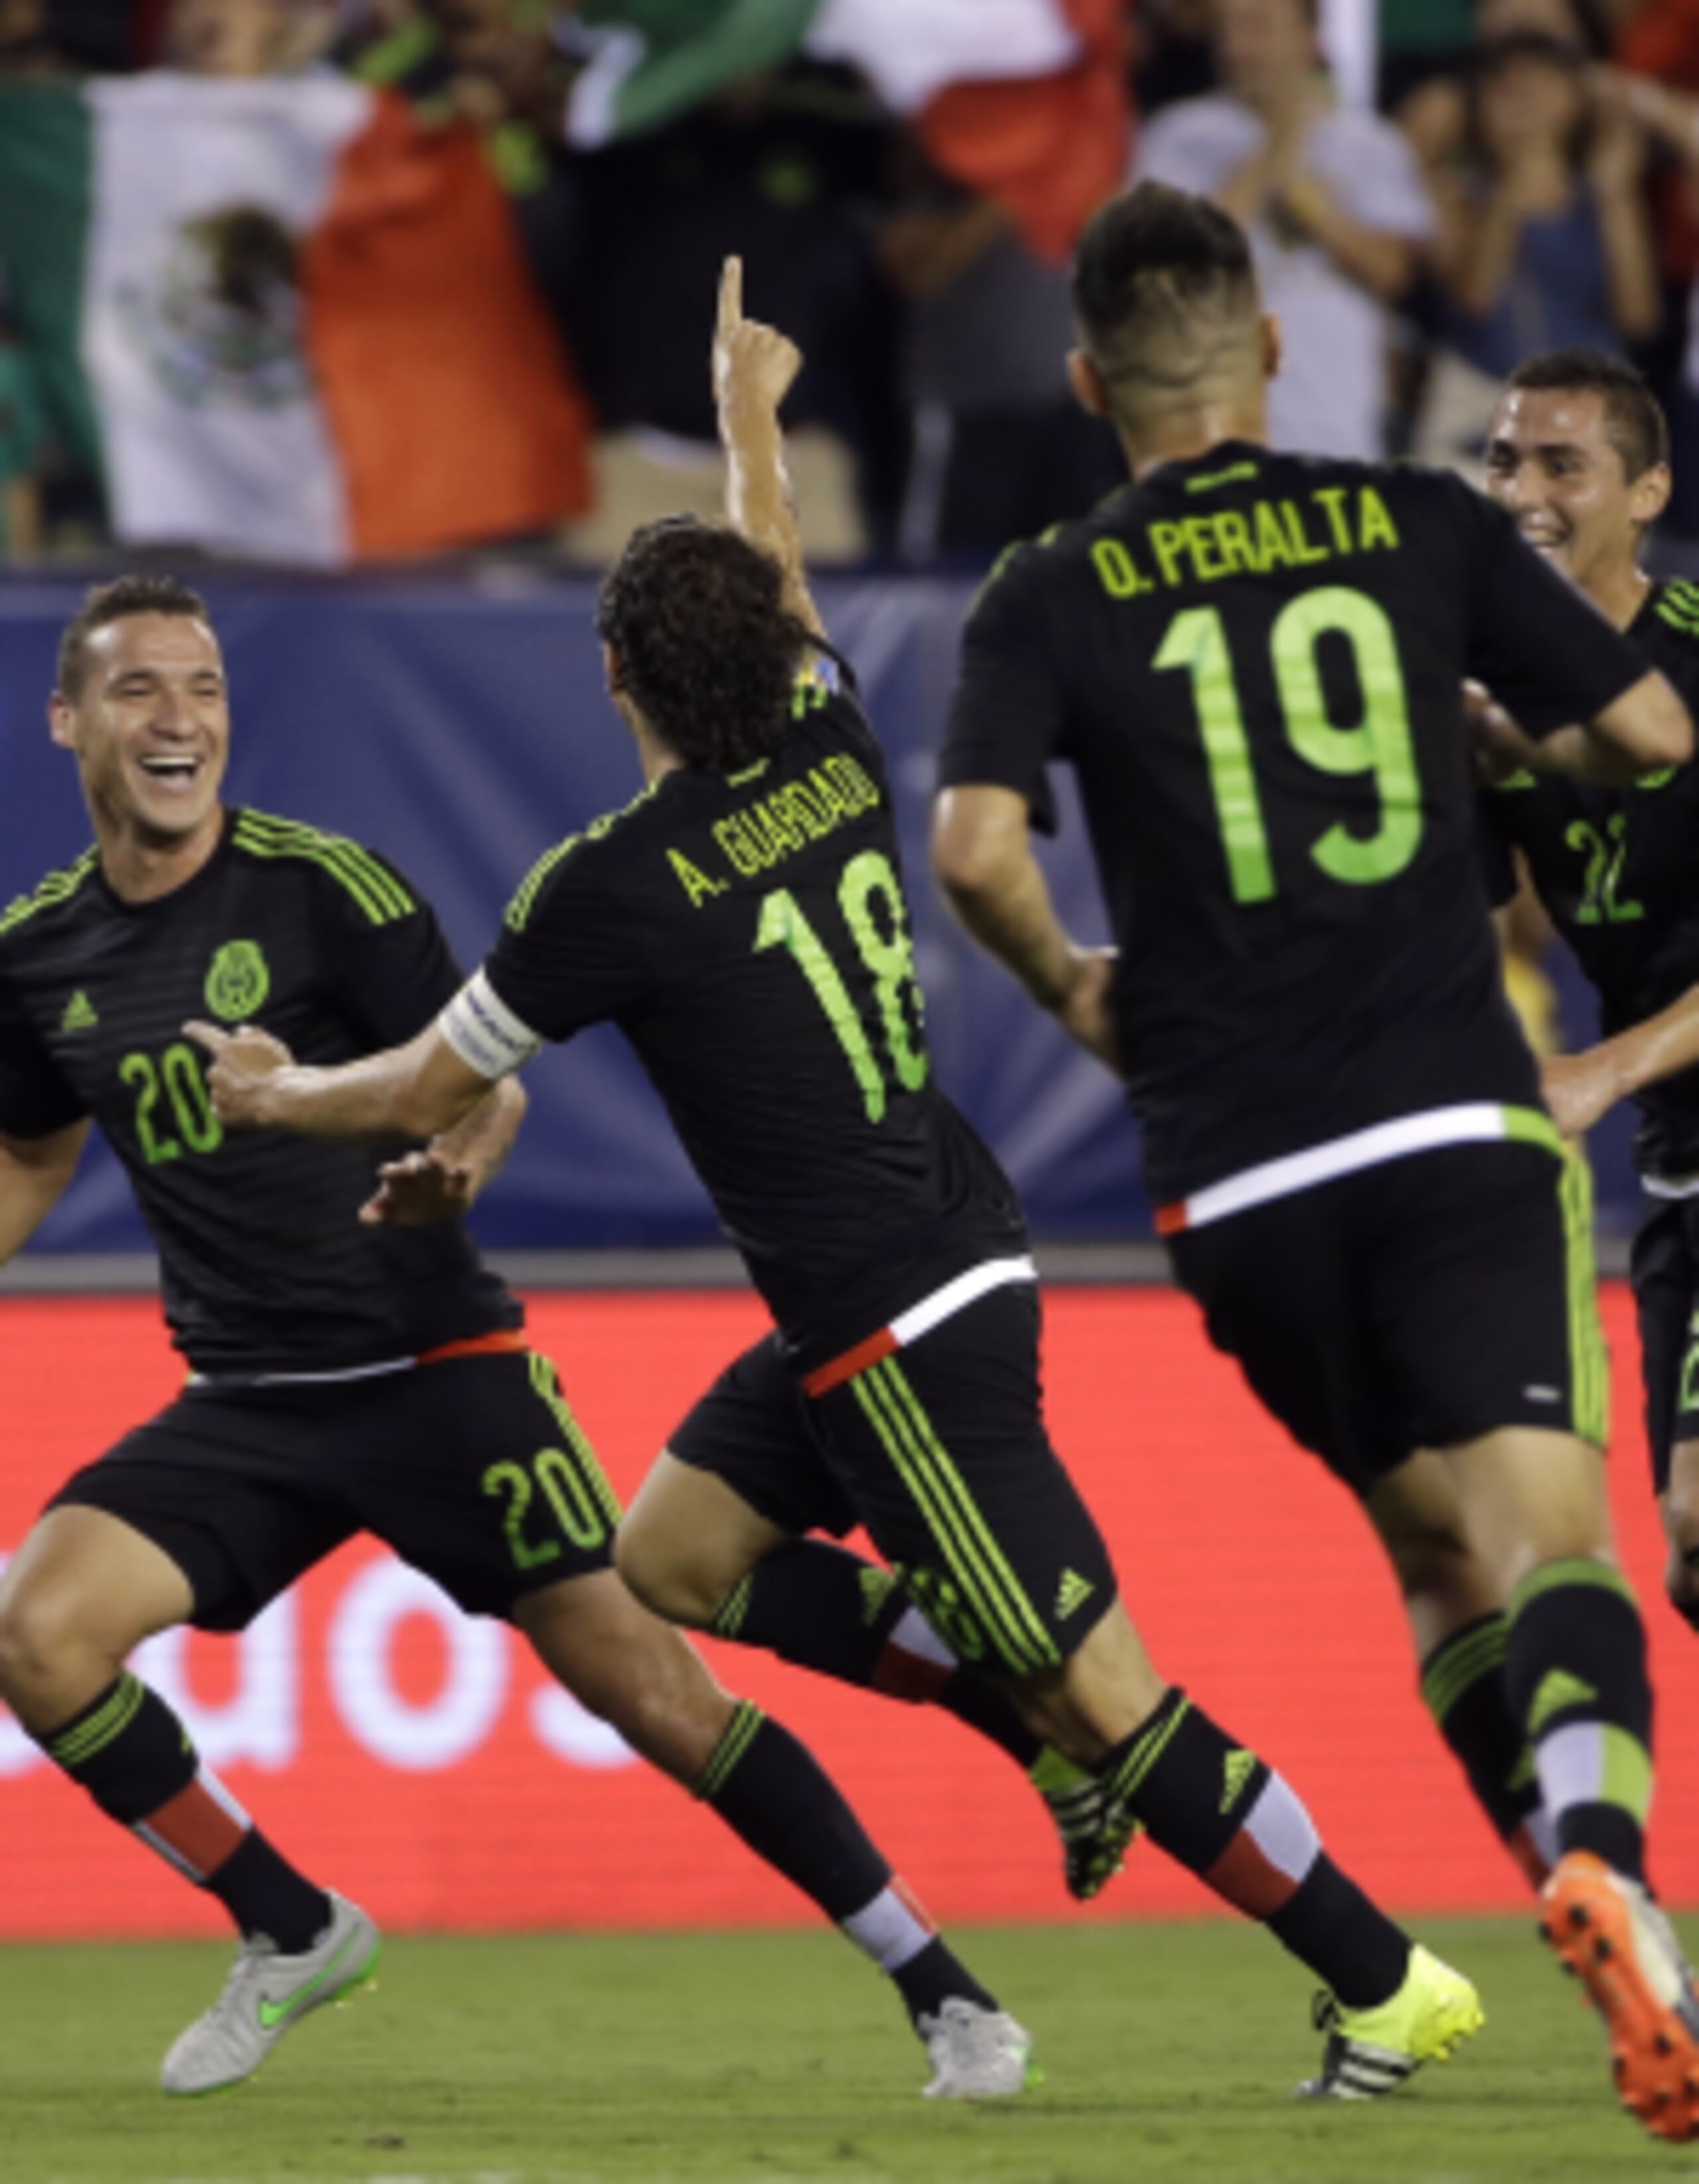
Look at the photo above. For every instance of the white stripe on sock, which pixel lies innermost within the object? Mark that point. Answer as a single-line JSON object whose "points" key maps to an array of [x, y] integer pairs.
{"points": [[1571, 1763], [888, 1930], [220, 1797], [1283, 1830], [914, 1635]]}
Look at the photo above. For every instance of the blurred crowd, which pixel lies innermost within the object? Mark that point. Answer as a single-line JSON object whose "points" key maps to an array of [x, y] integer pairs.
{"points": [[905, 179]]}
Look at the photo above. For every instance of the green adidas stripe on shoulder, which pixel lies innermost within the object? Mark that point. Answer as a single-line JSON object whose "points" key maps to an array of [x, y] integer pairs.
{"points": [[56, 887], [376, 889], [1677, 606], [524, 901]]}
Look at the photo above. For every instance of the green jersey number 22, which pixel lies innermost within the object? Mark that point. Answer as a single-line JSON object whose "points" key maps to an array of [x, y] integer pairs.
{"points": [[1379, 743], [871, 899]]}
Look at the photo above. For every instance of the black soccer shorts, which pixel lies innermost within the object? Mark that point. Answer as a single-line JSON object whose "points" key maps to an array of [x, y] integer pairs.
{"points": [[472, 1468], [1419, 1304], [1664, 1270], [939, 1450]]}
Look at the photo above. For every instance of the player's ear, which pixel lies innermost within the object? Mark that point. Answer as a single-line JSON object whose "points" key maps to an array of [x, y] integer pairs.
{"points": [[1649, 495], [1087, 382], [613, 672], [61, 721], [1273, 343]]}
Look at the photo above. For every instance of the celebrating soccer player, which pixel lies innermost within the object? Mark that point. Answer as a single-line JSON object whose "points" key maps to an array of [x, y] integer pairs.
{"points": [[744, 922], [347, 1373], [1254, 660], [1579, 454]]}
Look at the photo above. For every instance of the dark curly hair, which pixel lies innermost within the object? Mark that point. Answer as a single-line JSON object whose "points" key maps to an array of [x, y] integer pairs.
{"points": [[108, 602], [703, 641]]}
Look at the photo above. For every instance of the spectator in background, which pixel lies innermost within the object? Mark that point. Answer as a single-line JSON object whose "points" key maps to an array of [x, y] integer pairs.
{"points": [[248, 37], [1333, 201], [1545, 242]]}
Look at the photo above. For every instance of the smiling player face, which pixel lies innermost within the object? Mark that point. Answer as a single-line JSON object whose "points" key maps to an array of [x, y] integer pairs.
{"points": [[1552, 463], [150, 728]]}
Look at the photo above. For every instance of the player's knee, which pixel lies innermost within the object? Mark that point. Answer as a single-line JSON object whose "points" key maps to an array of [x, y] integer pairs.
{"points": [[665, 1576], [44, 1631], [1435, 1564]]}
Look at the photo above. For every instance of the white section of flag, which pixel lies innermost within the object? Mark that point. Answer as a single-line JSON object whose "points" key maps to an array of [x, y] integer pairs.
{"points": [[911, 50], [214, 430]]}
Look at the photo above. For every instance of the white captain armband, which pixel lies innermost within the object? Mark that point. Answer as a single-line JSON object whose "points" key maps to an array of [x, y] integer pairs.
{"points": [[485, 1033]]}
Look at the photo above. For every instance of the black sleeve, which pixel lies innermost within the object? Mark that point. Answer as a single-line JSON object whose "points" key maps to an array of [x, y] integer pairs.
{"points": [[570, 953], [395, 974], [35, 1098], [1546, 653], [1497, 852], [1007, 722]]}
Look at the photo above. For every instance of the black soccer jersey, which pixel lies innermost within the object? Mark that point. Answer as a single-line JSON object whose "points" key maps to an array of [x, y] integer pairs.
{"points": [[1618, 871], [748, 933], [264, 1267], [1254, 662]]}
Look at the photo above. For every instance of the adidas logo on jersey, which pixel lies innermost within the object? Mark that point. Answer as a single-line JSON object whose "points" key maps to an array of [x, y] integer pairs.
{"points": [[79, 1014], [1071, 1594], [1237, 1770]]}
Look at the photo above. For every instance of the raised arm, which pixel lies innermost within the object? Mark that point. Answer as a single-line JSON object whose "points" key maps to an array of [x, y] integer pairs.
{"points": [[753, 367], [1580, 1088], [419, 1090], [34, 1172], [1644, 731]]}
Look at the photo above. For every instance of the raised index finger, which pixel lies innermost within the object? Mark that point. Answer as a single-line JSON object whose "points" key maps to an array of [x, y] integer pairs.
{"points": [[209, 1036], [730, 312]]}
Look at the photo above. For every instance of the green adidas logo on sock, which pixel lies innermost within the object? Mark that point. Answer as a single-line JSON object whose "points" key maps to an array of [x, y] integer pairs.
{"points": [[1237, 1770], [876, 1590], [1071, 1594], [1558, 1689], [79, 1014]]}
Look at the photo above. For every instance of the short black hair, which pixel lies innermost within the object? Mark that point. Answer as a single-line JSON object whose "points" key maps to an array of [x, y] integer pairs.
{"points": [[703, 641], [1161, 280], [1634, 422], [114, 602]]}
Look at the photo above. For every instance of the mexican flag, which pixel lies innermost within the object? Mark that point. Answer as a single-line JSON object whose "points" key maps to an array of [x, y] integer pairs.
{"points": [[289, 320], [1025, 101]]}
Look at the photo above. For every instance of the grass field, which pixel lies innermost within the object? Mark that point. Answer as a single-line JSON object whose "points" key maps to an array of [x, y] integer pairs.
{"points": [[1167, 2052]]}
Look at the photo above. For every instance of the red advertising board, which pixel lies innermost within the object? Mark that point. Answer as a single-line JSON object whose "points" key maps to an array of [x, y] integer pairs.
{"points": [[420, 1761]]}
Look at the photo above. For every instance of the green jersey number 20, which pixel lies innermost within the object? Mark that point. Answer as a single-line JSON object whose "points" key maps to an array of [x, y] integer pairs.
{"points": [[1379, 743]]}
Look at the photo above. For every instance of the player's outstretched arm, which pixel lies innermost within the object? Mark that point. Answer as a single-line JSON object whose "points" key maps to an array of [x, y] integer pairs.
{"points": [[34, 1172], [1644, 731], [982, 852], [418, 1091], [1580, 1088], [753, 367], [443, 1180]]}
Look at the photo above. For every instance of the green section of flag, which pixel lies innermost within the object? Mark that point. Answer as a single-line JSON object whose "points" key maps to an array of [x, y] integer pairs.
{"points": [[45, 195], [677, 53]]}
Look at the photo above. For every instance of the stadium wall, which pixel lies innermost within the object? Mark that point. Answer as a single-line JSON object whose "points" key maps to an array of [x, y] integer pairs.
{"points": [[459, 724], [421, 1761]]}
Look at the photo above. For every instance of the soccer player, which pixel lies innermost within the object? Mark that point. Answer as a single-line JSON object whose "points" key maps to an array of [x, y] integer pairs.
{"points": [[1254, 662], [744, 922], [347, 1374], [1579, 455]]}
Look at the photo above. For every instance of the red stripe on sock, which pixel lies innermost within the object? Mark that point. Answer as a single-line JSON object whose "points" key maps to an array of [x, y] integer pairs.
{"points": [[911, 1903], [903, 1675], [198, 1828], [1246, 1879]]}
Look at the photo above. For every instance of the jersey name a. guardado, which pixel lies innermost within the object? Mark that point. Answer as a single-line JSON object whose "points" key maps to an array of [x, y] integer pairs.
{"points": [[748, 933], [1254, 661], [1617, 871], [264, 1269]]}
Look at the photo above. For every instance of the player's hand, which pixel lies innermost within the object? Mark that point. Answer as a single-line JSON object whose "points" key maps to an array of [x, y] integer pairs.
{"points": [[243, 1063], [754, 365], [1579, 1088], [1497, 747], [1085, 1011], [419, 1188]]}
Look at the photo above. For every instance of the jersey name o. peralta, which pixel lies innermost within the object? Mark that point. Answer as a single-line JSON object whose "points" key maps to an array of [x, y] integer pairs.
{"points": [[264, 1268], [1254, 661], [1617, 871], [748, 933]]}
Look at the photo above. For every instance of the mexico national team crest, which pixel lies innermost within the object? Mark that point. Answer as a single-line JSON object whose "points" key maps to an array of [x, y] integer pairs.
{"points": [[237, 981]]}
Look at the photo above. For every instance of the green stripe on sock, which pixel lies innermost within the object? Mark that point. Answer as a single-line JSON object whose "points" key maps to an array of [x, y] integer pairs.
{"points": [[1573, 1570], [1146, 1753], [739, 1733], [1013, 1592], [734, 1608], [1461, 1663], [81, 1743], [1627, 1772]]}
